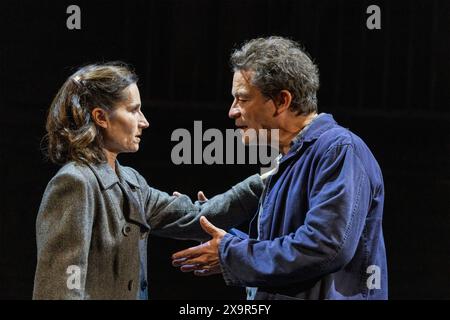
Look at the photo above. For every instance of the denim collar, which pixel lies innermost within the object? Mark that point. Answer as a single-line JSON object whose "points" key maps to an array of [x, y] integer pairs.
{"points": [[323, 122], [305, 129]]}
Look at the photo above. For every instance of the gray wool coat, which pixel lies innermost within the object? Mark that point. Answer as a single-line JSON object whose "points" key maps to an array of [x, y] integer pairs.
{"points": [[93, 224]]}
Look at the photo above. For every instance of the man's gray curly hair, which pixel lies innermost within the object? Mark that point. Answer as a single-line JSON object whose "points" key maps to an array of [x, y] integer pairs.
{"points": [[280, 64]]}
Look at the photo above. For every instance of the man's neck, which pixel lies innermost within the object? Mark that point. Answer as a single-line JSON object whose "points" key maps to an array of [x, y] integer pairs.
{"points": [[292, 129]]}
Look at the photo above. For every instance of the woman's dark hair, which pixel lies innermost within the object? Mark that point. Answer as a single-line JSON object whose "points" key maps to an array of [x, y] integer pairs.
{"points": [[71, 133]]}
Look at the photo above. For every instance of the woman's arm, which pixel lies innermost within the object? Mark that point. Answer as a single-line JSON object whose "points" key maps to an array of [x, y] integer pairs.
{"points": [[178, 217]]}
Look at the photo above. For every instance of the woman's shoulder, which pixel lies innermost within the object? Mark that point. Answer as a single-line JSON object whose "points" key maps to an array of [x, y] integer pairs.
{"points": [[74, 172]]}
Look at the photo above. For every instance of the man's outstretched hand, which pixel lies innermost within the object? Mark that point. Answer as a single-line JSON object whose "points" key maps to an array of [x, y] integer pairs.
{"points": [[202, 259]]}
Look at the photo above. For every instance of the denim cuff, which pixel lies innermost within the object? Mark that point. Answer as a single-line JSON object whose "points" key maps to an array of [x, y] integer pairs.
{"points": [[227, 274]]}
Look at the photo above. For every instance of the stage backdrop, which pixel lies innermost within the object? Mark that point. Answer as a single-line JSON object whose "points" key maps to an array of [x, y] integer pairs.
{"points": [[390, 86]]}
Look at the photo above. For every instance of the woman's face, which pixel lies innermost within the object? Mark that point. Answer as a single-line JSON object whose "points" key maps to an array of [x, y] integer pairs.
{"points": [[125, 123]]}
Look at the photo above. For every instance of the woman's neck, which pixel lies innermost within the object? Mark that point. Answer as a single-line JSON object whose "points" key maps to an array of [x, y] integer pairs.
{"points": [[111, 158]]}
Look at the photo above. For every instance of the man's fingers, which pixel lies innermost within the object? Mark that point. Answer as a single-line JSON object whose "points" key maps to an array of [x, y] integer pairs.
{"points": [[200, 270], [201, 196], [188, 253], [203, 272], [176, 194], [189, 262], [190, 268], [178, 262], [208, 227], [208, 271]]}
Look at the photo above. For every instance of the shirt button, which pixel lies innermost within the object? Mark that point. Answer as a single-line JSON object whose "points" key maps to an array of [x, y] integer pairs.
{"points": [[143, 233], [144, 285], [126, 229]]}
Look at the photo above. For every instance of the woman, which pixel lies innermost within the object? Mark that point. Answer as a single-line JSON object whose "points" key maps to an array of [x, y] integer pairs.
{"points": [[95, 215]]}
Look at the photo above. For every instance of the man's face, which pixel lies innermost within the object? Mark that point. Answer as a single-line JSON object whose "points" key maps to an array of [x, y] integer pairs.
{"points": [[250, 108]]}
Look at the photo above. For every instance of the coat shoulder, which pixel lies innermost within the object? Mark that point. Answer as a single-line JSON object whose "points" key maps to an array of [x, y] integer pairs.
{"points": [[74, 172]]}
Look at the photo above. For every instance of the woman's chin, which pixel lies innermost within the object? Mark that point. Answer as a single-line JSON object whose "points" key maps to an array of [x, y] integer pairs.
{"points": [[131, 149]]}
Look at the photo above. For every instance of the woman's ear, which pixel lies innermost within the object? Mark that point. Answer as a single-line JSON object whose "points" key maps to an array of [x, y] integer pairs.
{"points": [[100, 117], [283, 101]]}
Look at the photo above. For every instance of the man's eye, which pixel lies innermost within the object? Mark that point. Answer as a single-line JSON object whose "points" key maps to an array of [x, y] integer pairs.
{"points": [[242, 100]]}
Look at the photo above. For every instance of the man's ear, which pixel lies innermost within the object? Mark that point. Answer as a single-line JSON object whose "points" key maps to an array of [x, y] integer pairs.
{"points": [[100, 117], [283, 101]]}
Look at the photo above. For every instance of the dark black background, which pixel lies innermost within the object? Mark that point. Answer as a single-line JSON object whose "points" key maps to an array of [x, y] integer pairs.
{"points": [[390, 86]]}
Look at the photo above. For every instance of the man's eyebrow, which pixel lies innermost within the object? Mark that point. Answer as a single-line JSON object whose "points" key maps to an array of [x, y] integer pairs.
{"points": [[133, 106], [240, 93]]}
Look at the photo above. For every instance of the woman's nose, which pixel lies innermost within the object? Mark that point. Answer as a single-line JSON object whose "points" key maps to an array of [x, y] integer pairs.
{"points": [[143, 123]]}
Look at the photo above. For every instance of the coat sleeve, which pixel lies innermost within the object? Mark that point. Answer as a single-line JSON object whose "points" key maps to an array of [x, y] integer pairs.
{"points": [[178, 217], [63, 234], [339, 200]]}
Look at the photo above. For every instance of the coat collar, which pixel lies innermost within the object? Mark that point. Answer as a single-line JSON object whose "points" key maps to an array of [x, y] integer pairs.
{"points": [[107, 177]]}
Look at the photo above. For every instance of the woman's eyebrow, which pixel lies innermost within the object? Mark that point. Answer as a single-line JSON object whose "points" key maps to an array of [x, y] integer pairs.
{"points": [[135, 106]]}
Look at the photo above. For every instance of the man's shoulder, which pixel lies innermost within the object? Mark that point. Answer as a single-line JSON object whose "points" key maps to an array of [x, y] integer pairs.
{"points": [[341, 139], [334, 137]]}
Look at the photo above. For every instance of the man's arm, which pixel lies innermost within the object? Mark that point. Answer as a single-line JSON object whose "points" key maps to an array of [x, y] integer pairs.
{"points": [[325, 243]]}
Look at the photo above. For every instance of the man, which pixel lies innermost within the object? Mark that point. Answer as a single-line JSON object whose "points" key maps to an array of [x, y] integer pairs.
{"points": [[318, 230]]}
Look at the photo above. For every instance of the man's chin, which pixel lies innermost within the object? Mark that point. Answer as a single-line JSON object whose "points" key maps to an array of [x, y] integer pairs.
{"points": [[248, 136], [249, 141]]}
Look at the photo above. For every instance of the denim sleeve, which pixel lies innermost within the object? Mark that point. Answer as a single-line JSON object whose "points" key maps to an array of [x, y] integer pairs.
{"points": [[178, 217], [339, 200]]}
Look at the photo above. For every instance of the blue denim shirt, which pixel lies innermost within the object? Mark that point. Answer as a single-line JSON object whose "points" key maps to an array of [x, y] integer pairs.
{"points": [[320, 227]]}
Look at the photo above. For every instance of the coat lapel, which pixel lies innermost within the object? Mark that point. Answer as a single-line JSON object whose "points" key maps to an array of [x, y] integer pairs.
{"points": [[132, 210], [107, 178]]}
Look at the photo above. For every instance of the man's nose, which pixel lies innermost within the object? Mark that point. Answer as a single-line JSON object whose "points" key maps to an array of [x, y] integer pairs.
{"points": [[234, 112]]}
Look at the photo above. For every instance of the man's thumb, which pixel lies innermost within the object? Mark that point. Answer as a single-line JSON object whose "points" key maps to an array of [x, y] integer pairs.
{"points": [[201, 196], [207, 226]]}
